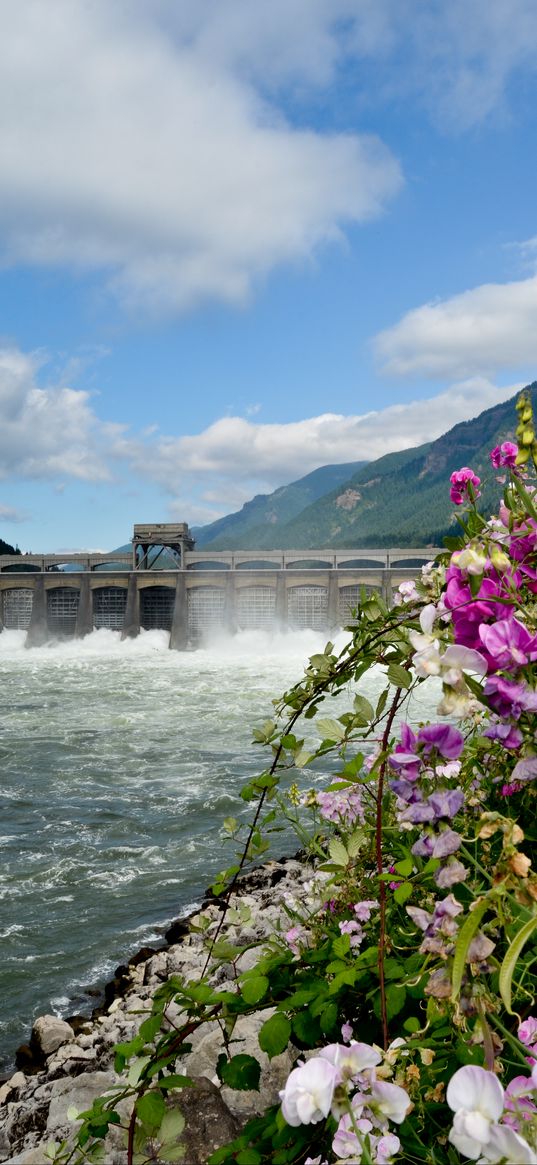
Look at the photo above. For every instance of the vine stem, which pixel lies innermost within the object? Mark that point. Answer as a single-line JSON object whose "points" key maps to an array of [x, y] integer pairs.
{"points": [[378, 855]]}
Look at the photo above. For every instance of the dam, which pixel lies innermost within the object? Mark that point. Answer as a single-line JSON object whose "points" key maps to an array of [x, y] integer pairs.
{"points": [[198, 593]]}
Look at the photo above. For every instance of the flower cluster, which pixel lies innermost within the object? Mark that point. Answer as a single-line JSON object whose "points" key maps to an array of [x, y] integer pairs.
{"points": [[343, 1081], [479, 1103]]}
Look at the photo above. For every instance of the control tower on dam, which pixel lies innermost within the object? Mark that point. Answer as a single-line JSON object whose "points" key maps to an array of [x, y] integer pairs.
{"points": [[166, 583]]}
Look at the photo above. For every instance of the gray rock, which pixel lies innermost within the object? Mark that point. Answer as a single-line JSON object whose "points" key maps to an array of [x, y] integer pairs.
{"points": [[49, 1032], [79, 1093], [209, 1122]]}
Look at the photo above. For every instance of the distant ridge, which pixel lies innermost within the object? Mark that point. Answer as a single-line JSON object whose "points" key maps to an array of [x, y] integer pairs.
{"points": [[401, 499], [259, 521]]}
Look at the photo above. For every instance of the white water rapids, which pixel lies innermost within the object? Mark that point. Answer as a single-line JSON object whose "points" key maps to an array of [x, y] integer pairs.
{"points": [[119, 762]]}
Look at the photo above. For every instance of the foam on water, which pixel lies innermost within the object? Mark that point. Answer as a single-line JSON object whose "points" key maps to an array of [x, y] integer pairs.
{"points": [[120, 759]]}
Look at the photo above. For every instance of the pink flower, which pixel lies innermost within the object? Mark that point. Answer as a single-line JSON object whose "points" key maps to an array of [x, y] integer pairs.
{"points": [[509, 643], [527, 1031], [464, 486], [476, 1098], [504, 454]]}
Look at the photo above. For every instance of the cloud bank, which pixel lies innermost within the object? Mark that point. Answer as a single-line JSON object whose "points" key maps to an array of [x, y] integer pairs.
{"points": [[166, 146], [489, 328], [54, 433], [129, 144]]}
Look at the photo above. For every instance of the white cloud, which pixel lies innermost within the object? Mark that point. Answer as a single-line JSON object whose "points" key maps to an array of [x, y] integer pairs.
{"points": [[235, 458], [48, 432], [132, 142], [489, 328], [154, 143], [10, 514]]}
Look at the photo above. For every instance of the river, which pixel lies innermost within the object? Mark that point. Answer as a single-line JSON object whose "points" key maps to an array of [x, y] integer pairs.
{"points": [[119, 762]]}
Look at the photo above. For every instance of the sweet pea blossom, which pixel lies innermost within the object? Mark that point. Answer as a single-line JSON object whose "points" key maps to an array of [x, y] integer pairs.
{"points": [[307, 1096], [389, 1101], [476, 1097], [504, 455], [527, 1031], [464, 481], [349, 1061], [506, 1147], [449, 665], [509, 643]]}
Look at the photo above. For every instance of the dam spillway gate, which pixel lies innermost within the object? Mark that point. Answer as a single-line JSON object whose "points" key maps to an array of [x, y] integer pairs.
{"points": [[210, 594]]}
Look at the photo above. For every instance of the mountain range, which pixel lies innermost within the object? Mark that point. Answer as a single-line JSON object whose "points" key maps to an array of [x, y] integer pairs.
{"points": [[401, 499]]}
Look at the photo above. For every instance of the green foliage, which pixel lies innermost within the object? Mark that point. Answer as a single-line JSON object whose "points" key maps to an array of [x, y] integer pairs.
{"points": [[435, 973]]}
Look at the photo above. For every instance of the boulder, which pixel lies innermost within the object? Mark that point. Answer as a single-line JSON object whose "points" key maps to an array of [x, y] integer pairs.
{"points": [[49, 1032]]}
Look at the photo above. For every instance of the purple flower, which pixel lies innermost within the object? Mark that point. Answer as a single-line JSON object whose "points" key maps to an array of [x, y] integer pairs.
{"points": [[464, 485], [450, 874], [509, 643], [446, 843], [418, 813], [508, 698], [446, 802], [527, 1031], [507, 734], [443, 738], [504, 455], [525, 770], [423, 847]]}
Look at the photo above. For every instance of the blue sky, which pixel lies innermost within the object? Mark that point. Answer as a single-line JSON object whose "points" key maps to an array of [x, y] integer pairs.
{"points": [[241, 240]]}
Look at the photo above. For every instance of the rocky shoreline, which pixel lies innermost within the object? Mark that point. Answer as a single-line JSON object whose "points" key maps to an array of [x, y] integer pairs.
{"points": [[68, 1063]]}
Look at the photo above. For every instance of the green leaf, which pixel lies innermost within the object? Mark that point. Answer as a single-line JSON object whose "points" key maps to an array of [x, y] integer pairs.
{"points": [[176, 1081], [330, 729], [411, 1025], [242, 1072], [398, 676], [404, 867], [466, 934], [341, 945], [151, 1026], [175, 1153], [136, 1069], [306, 1028], [355, 842], [150, 1109], [363, 708], [509, 963], [254, 988], [172, 1125], [329, 1017], [338, 853], [274, 1035], [381, 702], [230, 824], [402, 892]]}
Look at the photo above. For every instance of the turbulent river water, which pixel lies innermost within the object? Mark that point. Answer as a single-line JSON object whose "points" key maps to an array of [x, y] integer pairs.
{"points": [[119, 762]]}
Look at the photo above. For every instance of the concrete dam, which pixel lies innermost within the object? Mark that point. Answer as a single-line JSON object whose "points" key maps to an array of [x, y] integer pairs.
{"points": [[201, 593]]}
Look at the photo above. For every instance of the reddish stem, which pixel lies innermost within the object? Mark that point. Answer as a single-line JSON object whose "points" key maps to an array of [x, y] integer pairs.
{"points": [[379, 862]]}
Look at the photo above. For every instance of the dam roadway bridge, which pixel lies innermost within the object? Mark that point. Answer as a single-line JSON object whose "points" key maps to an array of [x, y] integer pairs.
{"points": [[56, 596]]}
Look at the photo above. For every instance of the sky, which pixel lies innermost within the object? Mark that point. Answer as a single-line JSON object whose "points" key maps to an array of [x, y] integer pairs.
{"points": [[241, 240]]}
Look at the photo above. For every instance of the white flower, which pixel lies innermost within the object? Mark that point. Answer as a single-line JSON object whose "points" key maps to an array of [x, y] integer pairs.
{"points": [[307, 1096], [389, 1100], [476, 1098], [386, 1148], [504, 1145], [351, 1060]]}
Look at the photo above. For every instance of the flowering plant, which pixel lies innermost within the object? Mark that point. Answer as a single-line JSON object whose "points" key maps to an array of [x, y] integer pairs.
{"points": [[403, 987]]}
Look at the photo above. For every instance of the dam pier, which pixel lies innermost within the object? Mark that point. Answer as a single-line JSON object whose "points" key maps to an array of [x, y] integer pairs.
{"points": [[193, 594]]}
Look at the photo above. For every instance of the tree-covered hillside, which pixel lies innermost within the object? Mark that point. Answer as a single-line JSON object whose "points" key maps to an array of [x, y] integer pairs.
{"points": [[6, 548], [259, 521], [399, 500]]}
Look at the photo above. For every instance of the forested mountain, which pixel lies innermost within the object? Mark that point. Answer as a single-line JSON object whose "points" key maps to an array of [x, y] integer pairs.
{"points": [[261, 519], [401, 499]]}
